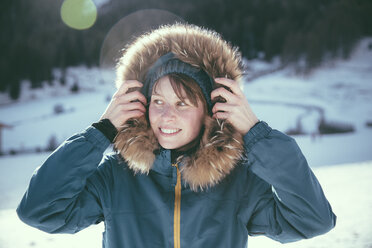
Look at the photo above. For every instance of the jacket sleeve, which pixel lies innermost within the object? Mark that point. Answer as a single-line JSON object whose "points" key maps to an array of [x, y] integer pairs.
{"points": [[285, 199], [63, 194]]}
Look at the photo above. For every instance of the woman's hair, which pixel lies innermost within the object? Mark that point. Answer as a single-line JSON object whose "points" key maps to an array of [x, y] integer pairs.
{"points": [[183, 83]]}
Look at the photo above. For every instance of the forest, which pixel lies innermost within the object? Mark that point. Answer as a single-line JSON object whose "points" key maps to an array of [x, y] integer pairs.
{"points": [[34, 39]]}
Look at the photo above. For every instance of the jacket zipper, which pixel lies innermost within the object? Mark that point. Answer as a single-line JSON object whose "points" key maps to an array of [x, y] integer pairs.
{"points": [[177, 210]]}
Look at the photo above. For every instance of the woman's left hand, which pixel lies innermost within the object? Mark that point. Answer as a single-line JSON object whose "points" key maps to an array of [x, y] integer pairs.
{"points": [[236, 109]]}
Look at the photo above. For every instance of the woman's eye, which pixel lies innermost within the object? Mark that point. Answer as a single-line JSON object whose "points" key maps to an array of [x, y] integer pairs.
{"points": [[158, 102], [182, 104]]}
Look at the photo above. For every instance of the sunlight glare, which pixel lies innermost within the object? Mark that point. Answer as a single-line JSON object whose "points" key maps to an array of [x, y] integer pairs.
{"points": [[79, 14]]}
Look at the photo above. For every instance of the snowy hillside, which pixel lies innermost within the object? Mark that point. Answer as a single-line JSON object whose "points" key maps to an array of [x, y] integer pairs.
{"points": [[50, 112], [340, 93]]}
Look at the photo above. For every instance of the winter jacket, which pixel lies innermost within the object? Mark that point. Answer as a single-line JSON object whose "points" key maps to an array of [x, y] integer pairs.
{"points": [[231, 186], [271, 192]]}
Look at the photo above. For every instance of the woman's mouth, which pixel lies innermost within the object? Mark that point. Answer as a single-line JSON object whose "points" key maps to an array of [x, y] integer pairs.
{"points": [[169, 131]]}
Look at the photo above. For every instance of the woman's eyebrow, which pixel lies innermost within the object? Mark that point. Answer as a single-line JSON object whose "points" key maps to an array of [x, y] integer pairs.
{"points": [[156, 94]]}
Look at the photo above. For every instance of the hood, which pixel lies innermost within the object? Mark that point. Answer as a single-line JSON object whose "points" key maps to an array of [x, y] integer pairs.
{"points": [[221, 146]]}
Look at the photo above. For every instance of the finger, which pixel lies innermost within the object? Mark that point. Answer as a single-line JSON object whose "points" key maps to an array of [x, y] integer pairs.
{"points": [[221, 115], [126, 85], [222, 107], [224, 93], [132, 107], [122, 114], [135, 113], [131, 97], [231, 84], [131, 114]]}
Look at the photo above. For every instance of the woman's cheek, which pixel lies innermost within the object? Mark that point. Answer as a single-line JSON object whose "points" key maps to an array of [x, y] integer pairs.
{"points": [[152, 113]]}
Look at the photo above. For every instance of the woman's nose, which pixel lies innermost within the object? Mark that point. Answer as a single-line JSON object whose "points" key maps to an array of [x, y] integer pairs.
{"points": [[169, 112]]}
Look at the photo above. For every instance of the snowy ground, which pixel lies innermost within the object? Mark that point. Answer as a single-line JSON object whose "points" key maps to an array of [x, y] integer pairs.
{"points": [[340, 92]]}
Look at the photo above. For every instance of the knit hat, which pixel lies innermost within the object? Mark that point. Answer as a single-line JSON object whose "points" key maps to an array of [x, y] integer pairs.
{"points": [[168, 64]]}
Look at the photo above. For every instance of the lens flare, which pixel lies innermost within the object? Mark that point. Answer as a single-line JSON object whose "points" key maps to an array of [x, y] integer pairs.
{"points": [[79, 14], [131, 26]]}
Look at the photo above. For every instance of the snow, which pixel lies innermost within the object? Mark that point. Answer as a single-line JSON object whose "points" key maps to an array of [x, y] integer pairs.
{"points": [[339, 92], [36, 109]]}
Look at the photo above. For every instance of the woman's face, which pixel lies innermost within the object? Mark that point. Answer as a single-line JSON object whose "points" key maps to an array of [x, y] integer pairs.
{"points": [[175, 122]]}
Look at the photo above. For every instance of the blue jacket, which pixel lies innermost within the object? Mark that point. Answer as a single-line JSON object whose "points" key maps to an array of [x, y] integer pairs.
{"points": [[271, 192]]}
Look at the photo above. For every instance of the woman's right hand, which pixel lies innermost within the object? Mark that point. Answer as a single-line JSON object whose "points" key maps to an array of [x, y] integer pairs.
{"points": [[124, 105]]}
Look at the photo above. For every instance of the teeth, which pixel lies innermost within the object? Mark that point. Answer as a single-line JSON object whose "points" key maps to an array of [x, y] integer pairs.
{"points": [[169, 130]]}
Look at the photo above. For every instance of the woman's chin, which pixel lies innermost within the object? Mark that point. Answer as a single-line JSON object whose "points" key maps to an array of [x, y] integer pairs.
{"points": [[169, 146], [179, 146]]}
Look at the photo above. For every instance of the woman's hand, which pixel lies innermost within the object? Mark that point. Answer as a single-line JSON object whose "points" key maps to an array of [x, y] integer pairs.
{"points": [[236, 109], [124, 105]]}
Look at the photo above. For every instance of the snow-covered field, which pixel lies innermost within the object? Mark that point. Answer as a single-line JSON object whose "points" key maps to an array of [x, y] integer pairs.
{"points": [[340, 93]]}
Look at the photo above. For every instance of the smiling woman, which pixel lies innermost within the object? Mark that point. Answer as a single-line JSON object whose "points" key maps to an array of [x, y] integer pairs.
{"points": [[192, 164], [176, 119], [79, 14]]}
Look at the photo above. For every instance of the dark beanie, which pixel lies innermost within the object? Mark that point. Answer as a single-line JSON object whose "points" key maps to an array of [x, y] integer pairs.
{"points": [[168, 64]]}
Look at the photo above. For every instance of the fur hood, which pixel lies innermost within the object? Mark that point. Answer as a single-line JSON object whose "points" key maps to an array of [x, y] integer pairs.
{"points": [[221, 146]]}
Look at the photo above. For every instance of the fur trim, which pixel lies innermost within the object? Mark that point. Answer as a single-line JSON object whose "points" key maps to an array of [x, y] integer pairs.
{"points": [[199, 47], [221, 146], [219, 151], [137, 144]]}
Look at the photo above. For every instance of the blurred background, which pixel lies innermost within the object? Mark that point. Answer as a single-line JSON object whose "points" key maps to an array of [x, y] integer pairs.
{"points": [[308, 73], [38, 36]]}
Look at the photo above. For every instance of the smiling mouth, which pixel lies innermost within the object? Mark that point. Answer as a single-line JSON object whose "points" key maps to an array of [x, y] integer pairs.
{"points": [[169, 131]]}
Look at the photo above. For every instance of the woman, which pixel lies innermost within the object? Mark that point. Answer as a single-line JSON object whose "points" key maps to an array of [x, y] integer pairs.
{"points": [[193, 166]]}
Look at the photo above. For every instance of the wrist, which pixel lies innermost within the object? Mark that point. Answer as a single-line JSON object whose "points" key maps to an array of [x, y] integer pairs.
{"points": [[250, 126], [107, 128], [259, 131]]}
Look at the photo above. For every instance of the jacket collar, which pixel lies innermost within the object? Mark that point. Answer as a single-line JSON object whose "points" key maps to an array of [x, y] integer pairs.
{"points": [[220, 149], [162, 163]]}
